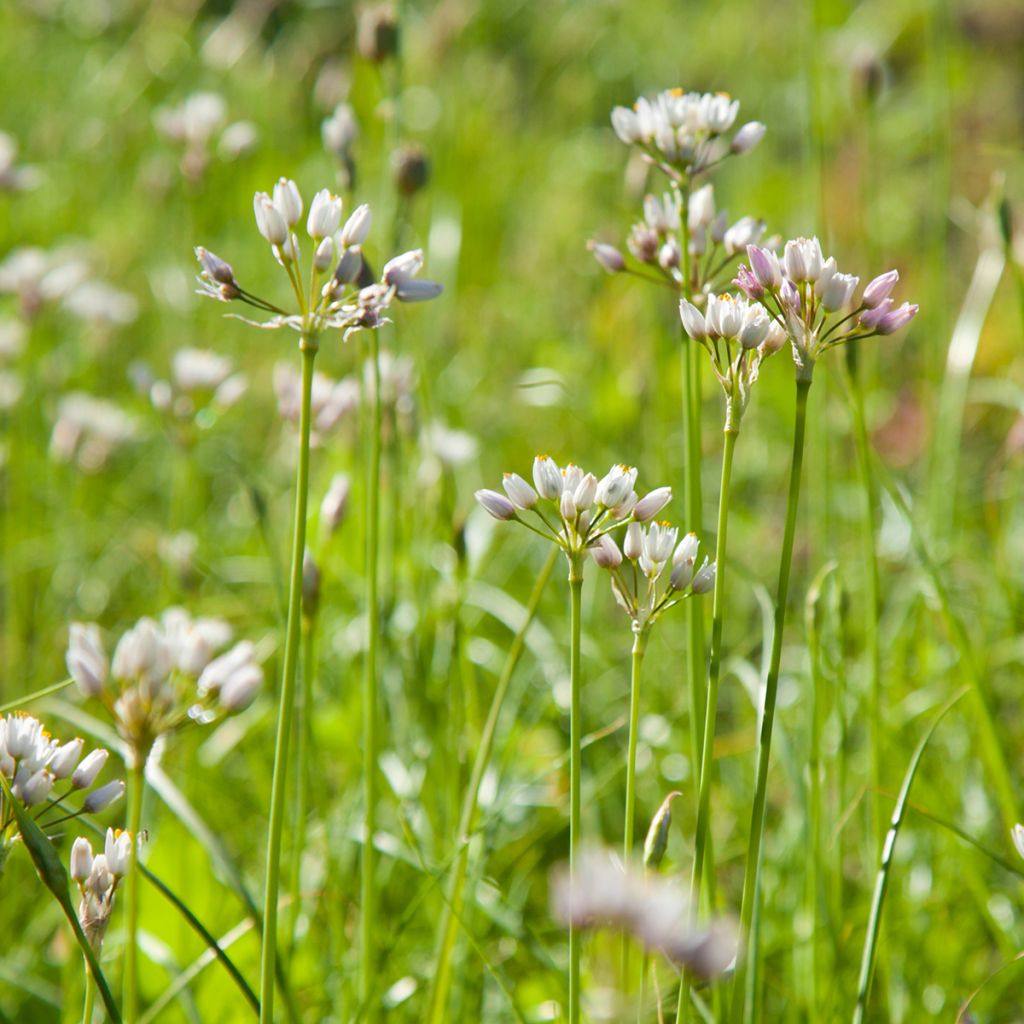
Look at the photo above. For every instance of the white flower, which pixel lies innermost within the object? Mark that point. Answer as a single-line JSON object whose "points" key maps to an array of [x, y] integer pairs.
{"points": [[269, 221], [324, 215], [288, 201], [86, 659], [357, 227]]}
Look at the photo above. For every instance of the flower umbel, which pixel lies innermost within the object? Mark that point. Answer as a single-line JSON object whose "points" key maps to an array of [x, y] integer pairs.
{"points": [[335, 294]]}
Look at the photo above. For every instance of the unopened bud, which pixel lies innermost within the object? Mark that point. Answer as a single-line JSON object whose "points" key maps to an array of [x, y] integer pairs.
{"points": [[103, 797], [656, 842], [496, 504], [377, 36], [608, 257], [411, 169], [651, 504]]}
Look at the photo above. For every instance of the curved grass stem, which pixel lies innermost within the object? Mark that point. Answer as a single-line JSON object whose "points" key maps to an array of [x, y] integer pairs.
{"points": [[449, 922], [286, 705], [751, 877]]}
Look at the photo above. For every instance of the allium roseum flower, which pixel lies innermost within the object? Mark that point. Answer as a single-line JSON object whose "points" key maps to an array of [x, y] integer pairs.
{"points": [[164, 674], [44, 772], [639, 582], [202, 383], [739, 334], [89, 430], [654, 910], [335, 294], [571, 508], [98, 878], [683, 132], [808, 296]]}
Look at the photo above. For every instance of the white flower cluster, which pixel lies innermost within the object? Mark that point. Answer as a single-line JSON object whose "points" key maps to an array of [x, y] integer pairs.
{"points": [[89, 430], [604, 894], [682, 131], [739, 334], [195, 123], [36, 764], [164, 673], [637, 567], [337, 296], [815, 301], [98, 878], [584, 508], [200, 380]]}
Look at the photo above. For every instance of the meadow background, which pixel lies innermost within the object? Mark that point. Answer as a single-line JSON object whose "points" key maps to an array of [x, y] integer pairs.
{"points": [[894, 132]]}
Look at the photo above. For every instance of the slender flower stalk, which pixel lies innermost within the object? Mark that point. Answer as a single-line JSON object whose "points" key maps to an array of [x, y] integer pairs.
{"points": [[578, 513], [367, 917], [332, 300], [136, 790], [812, 301]]}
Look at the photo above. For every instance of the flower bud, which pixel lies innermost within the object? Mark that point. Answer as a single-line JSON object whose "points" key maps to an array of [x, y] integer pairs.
{"points": [[81, 860], [748, 283], [36, 788], [693, 320], [324, 255], [411, 169], [357, 227], [66, 758], [86, 660], [269, 221], [287, 201], [103, 797], [880, 288], [626, 125], [896, 319], [720, 228], [704, 580], [669, 255], [521, 494], [214, 267], [413, 290], [496, 504], [701, 211], [606, 552], [240, 690], [567, 507], [651, 504], [92, 764], [615, 486], [633, 545], [348, 268], [764, 265], [335, 503], [608, 257], [747, 137], [586, 489], [656, 842], [324, 215], [117, 849], [547, 477], [377, 34]]}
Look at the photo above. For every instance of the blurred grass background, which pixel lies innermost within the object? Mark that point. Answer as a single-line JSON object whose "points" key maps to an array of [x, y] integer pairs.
{"points": [[894, 129]]}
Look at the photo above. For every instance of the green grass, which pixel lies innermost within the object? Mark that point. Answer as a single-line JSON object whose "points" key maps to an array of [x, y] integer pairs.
{"points": [[511, 103]]}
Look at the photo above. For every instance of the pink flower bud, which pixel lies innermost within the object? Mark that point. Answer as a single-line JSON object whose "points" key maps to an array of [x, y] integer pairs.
{"points": [[496, 504], [880, 288]]}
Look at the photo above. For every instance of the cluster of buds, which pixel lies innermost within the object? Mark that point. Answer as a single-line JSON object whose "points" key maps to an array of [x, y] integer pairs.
{"points": [[573, 509], [36, 764], [656, 241], [814, 301], [195, 123], [738, 334], [602, 893], [164, 674], [90, 430], [338, 294], [639, 582], [682, 132], [98, 878], [202, 384]]}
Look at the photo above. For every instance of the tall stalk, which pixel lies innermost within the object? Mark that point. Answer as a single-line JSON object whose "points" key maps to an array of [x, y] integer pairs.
{"points": [[639, 649], [286, 705], [90, 997], [449, 922], [368, 923], [714, 671], [575, 766], [751, 877], [131, 895]]}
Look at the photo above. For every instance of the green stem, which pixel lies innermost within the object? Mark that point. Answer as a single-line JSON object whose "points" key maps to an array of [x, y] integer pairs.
{"points": [[131, 951], [449, 922], [90, 997], [286, 706], [368, 923], [714, 671], [639, 649], [303, 732], [871, 591], [575, 775], [751, 877]]}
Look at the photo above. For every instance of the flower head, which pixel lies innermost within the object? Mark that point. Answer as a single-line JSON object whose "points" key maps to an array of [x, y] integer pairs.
{"points": [[163, 673], [813, 302]]}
